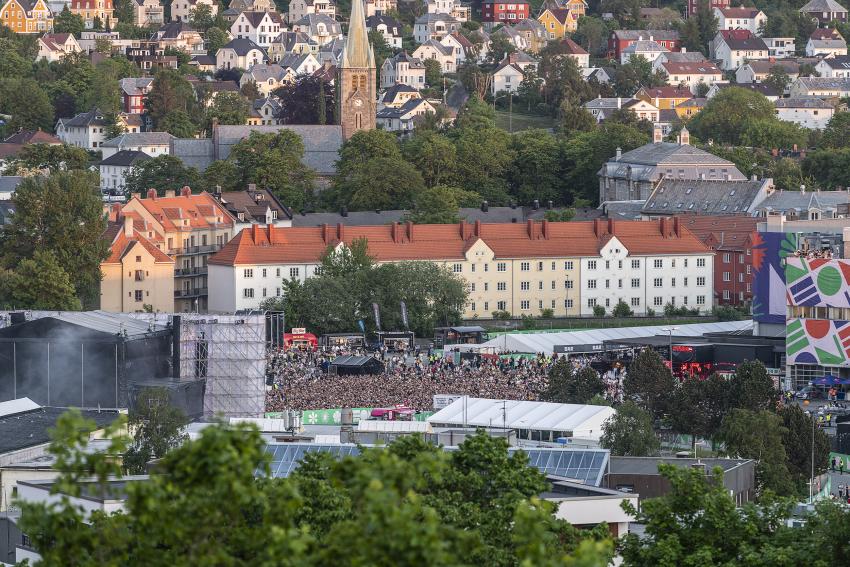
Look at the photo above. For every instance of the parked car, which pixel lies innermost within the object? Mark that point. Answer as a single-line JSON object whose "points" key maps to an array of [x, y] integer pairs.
{"points": [[810, 393]]}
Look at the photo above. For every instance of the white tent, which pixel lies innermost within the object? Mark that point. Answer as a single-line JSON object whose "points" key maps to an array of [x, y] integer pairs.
{"points": [[585, 341], [541, 421]]}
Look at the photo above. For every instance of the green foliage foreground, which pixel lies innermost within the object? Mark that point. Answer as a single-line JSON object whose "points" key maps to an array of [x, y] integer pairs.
{"points": [[212, 503]]}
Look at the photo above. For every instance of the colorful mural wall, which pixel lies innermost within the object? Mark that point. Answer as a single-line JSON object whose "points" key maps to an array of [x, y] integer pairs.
{"points": [[818, 283], [770, 249], [818, 341]]}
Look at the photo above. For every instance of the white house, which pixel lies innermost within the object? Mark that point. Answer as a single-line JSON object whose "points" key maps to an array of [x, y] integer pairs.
{"points": [[398, 94], [507, 77], [822, 87], [153, 144], [151, 12], [461, 47], [240, 54], [692, 75], [403, 69], [780, 47], [808, 112], [380, 7], [319, 27], [452, 8], [834, 67], [300, 8], [389, 28], [267, 77], [403, 118], [433, 49], [181, 10], [758, 71], [291, 42], [828, 47], [262, 28], [602, 108], [434, 26], [741, 18], [736, 49], [115, 168], [577, 52], [86, 130], [646, 48], [55, 46]]}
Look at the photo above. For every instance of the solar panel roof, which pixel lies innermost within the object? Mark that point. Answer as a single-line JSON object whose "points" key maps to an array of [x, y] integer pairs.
{"points": [[583, 465]]}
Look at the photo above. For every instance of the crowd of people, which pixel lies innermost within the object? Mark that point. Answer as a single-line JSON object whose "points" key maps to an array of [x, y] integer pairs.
{"points": [[825, 254], [300, 379]]}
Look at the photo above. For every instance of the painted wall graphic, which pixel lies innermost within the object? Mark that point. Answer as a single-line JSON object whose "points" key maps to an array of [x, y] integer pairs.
{"points": [[770, 249], [817, 282], [818, 341]]}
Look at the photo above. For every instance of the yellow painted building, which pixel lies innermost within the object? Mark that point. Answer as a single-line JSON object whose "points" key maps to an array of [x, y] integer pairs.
{"points": [[26, 16], [137, 275], [690, 108], [664, 98], [90, 10], [556, 21]]}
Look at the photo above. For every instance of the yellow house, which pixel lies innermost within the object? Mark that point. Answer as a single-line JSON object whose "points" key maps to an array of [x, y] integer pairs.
{"points": [[26, 16], [664, 98], [557, 22], [137, 275], [690, 108]]}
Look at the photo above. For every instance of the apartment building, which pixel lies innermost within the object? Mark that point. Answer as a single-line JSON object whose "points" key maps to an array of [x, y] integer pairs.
{"points": [[188, 228], [569, 268]]}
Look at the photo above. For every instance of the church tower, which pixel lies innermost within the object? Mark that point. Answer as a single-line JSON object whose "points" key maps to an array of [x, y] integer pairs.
{"points": [[356, 81]]}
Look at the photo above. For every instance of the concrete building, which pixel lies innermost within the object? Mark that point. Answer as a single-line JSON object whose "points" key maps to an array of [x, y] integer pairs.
{"points": [[240, 54], [834, 67], [567, 267], [300, 8], [821, 87], [691, 75]]}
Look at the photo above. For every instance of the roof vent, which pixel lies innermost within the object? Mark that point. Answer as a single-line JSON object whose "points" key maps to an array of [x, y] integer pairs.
{"points": [[485, 206], [732, 193]]}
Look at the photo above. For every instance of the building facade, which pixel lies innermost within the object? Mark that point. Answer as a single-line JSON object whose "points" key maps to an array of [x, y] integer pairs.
{"points": [[357, 100], [570, 268], [26, 16]]}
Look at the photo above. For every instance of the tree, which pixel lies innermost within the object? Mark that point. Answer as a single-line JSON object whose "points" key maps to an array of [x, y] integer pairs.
{"points": [[50, 158], [566, 387], [300, 100], [27, 104], [201, 17], [216, 39], [697, 406], [66, 22], [529, 91], [227, 108], [500, 47], [837, 132], [629, 432], [829, 168], [160, 173], [562, 78], [598, 311], [158, 428], [440, 205], [275, 161], [178, 123], [650, 383], [752, 388], [433, 73], [38, 283], [62, 214], [592, 34], [170, 93], [637, 73], [574, 119], [797, 435], [536, 171], [758, 435], [221, 175], [433, 155], [774, 133], [622, 309], [778, 78], [726, 116]]}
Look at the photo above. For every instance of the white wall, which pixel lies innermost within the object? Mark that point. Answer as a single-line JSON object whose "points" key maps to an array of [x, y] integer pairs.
{"points": [[227, 284], [595, 510]]}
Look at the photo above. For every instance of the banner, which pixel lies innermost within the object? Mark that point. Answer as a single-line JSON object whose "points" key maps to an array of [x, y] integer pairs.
{"points": [[770, 249], [818, 282], [377, 312], [818, 341], [404, 315], [333, 416]]}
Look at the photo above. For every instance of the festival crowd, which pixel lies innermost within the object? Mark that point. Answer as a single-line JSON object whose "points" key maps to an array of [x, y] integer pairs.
{"points": [[299, 379]]}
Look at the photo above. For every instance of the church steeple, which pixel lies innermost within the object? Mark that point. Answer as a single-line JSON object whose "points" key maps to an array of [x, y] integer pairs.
{"points": [[357, 82], [357, 51]]}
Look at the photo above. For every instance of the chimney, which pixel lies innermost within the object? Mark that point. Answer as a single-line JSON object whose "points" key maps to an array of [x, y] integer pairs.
{"points": [[115, 212], [485, 206], [536, 205], [702, 176], [663, 227], [409, 230], [545, 224], [326, 234], [619, 154], [676, 226], [394, 232], [651, 38], [529, 228], [684, 50], [549, 205], [270, 232], [340, 232], [684, 137], [610, 226], [169, 193], [186, 191], [598, 229], [619, 102], [343, 212], [657, 135], [255, 233], [753, 177], [128, 227], [217, 192], [152, 194]]}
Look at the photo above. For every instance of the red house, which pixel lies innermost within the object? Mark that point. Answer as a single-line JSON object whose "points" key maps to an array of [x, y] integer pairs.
{"points": [[731, 238], [499, 12], [134, 91], [621, 39], [693, 5]]}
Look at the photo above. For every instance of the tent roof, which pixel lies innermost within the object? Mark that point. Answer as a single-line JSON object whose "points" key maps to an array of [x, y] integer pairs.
{"points": [[352, 361], [546, 342]]}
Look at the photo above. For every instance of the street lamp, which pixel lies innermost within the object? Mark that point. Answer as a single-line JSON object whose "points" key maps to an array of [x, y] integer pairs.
{"points": [[670, 330]]}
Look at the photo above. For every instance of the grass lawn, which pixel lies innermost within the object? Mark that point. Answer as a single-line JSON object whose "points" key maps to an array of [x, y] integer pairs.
{"points": [[520, 122]]}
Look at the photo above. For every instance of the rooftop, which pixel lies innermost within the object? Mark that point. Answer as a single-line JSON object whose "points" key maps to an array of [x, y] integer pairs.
{"points": [[31, 427], [125, 158], [811, 102], [823, 6], [704, 197]]}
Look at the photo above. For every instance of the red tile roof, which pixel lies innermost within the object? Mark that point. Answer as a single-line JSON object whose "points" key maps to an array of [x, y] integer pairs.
{"points": [[122, 244], [201, 210], [397, 242], [573, 48], [724, 232]]}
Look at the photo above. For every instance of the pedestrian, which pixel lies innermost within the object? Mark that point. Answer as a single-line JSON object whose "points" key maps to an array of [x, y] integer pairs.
{"points": [[840, 465], [841, 491], [832, 463]]}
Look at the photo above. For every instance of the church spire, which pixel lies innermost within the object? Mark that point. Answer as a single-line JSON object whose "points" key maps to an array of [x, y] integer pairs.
{"points": [[357, 52]]}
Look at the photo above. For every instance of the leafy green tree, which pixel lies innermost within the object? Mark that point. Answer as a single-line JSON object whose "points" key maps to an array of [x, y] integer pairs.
{"points": [[797, 436], [62, 214], [433, 73], [622, 309], [562, 78], [837, 132], [170, 93], [592, 34], [66, 22], [40, 157], [440, 205], [536, 171], [726, 116], [227, 108], [216, 39], [158, 427], [500, 47], [38, 283], [828, 168], [568, 387], [758, 435], [629, 432], [697, 406], [201, 17], [178, 123], [223, 174], [778, 79], [774, 133], [433, 155], [275, 161], [650, 383], [574, 119], [529, 91], [637, 73], [14, 62], [752, 388], [598, 311], [306, 100], [27, 104], [160, 173], [787, 175]]}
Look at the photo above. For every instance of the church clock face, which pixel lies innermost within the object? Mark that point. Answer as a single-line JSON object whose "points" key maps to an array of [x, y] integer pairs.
{"points": [[358, 103]]}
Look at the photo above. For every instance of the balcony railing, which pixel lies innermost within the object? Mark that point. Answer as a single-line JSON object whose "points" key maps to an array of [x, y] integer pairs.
{"points": [[198, 271], [186, 250], [192, 292]]}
